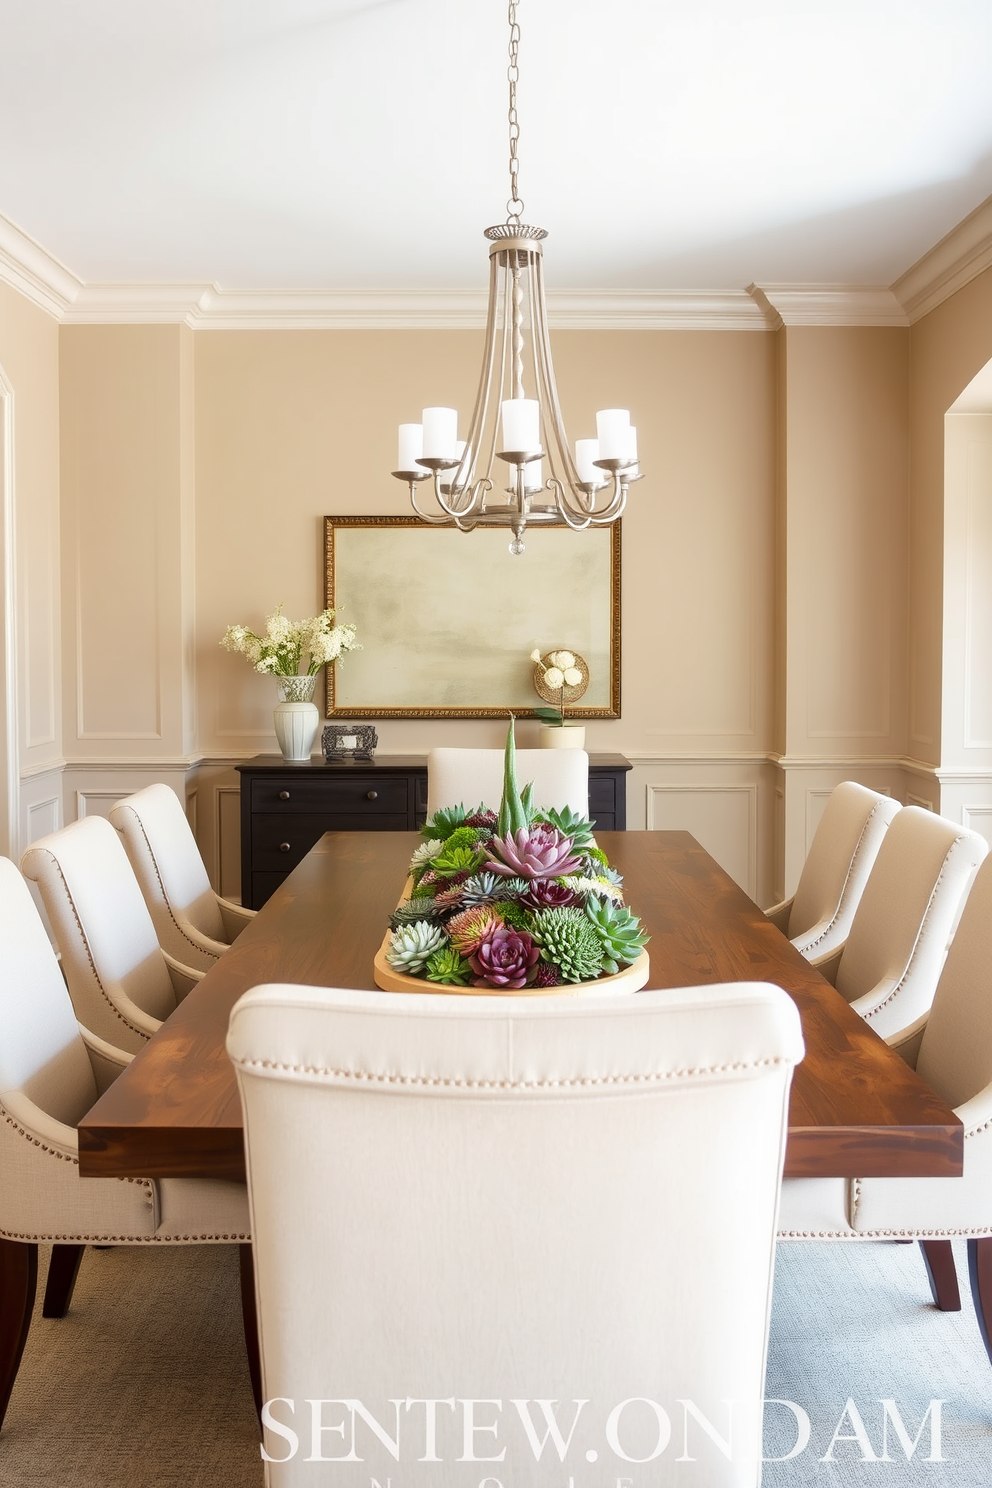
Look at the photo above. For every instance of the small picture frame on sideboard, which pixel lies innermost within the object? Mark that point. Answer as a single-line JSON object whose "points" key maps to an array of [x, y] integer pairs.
{"points": [[345, 743]]}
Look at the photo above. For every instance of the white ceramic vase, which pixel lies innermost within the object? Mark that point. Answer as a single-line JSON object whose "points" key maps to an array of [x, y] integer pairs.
{"points": [[570, 736], [296, 717]]}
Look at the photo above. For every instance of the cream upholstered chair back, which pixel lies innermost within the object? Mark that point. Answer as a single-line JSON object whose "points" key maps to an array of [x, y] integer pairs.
{"points": [[955, 1056], [841, 855], [41, 1051], [895, 952], [120, 982], [560, 778], [192, 923], [498, 1198]]}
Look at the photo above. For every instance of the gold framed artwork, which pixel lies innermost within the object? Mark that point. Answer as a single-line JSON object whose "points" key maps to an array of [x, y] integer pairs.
{"points": [[448, 620]]}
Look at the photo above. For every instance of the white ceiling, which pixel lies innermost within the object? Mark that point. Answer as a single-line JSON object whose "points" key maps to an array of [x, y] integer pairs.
{"points": [[666, 144]]}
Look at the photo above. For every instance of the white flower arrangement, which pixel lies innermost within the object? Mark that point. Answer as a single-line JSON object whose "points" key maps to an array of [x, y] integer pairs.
{"points": [[559, 671], [281, 650]]}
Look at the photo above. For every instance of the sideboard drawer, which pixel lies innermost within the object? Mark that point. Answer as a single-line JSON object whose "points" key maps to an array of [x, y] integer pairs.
{"points": [[362, 796]]}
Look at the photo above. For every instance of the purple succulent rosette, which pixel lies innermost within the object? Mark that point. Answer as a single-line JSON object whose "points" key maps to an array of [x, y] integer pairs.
{"points": [[539, 851], [504, 959], [545, 893]]}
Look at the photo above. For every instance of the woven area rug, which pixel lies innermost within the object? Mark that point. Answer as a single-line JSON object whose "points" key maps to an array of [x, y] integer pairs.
{"points": [[145, 1384], [856, 1322]]}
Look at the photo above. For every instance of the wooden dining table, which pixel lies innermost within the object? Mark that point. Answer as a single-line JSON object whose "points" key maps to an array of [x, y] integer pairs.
{"points": [[856, 1108]]}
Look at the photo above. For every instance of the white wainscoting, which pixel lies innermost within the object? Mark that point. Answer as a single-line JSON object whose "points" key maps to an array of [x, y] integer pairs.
{"points": [[722, 818]]}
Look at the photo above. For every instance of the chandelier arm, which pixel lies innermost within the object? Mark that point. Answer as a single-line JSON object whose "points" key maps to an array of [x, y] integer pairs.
{"points": [[575, 520], [546, 372], [480, 411], [434, 521]]}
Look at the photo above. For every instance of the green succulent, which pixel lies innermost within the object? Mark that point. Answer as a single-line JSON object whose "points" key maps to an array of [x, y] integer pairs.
{"points": [[463, 837], [513, 914], [619, 931], [571, 824], [446, 966], [445, 820], [410, 946], [457, 859], [421, 908], [569, 941], [482, 888]]}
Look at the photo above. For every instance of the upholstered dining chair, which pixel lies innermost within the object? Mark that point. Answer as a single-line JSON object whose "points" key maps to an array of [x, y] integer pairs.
{"points": [[818, 917], [890, 963], [512, 1197], [192, 923], [952, 1051], [122, 984], [560, 777], [51, 1073]]}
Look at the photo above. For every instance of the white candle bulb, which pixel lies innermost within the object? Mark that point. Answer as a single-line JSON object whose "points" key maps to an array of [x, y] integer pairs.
{"points": [[533, 476], [586, 454], [521, 425], [440, 433], [612, 425], [411, 446]]}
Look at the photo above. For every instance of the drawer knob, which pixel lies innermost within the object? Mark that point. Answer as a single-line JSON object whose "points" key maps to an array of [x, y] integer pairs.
{"points": [[371, 795], [284, 847], [284, 795]]}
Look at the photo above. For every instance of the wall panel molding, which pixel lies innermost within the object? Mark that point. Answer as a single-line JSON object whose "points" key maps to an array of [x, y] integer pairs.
{"points": [[729, 834]]}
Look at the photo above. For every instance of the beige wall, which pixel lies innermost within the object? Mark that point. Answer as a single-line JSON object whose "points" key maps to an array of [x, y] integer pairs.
{"points": [[128, 558], [29, 403], [765, 640], [948, 347], [197, 469]]}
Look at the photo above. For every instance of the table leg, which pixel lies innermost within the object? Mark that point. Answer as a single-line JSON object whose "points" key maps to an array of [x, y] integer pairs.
{"points": [[980, 1269], [938, 1257], [250, 1319], [63, 1269], [18, 1282]]}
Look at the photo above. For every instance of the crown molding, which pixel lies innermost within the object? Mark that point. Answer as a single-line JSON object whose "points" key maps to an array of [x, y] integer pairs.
{"points": [[209, 307], [828, 305], [34, 272], [949, 265]]}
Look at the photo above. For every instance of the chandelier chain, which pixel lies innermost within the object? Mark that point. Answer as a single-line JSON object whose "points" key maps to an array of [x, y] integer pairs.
{"points": [[514, 206]]}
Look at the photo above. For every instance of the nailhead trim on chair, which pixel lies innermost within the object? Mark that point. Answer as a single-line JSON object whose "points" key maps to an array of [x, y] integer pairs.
{"points": [[165, 898], [840, 903], [96, 976], [65, 1156], [923, 925], [579, 1082], [75, 1238]]}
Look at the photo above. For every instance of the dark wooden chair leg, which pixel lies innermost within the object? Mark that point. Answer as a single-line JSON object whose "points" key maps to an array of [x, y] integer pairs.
{"points": [[980, 1270], [938, 1257], [18, 1283], [250, 1319], [63, 1269]]}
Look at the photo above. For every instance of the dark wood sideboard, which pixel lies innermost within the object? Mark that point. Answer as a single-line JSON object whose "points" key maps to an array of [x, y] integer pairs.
{"points": [[286, 807]]}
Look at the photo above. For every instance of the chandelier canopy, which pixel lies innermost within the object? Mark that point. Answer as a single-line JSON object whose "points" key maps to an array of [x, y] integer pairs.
{"points": [[587, 488]]}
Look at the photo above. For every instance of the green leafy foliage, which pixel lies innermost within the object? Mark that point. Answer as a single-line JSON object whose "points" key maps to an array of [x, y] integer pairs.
{"points": [[445, 820], [410, 946], [446, 966]]}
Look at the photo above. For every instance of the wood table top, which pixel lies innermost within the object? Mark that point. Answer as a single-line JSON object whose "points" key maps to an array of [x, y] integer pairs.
{"points": [[856, 1109]]}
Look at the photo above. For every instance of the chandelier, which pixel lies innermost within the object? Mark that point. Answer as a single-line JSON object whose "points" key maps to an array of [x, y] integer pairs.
{"points": [[587, 488]]}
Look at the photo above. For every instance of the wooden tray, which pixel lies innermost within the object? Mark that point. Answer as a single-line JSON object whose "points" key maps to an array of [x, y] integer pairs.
{"points": [[630, 979]]}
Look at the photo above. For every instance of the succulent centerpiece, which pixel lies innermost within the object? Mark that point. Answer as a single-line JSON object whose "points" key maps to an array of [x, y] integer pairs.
{"points": [[522, 901]]}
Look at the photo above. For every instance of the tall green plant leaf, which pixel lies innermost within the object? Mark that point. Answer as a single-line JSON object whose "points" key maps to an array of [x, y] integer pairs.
{"points": [[512, 814]]}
